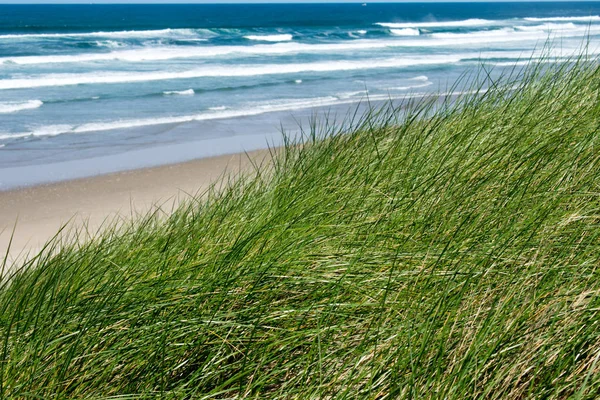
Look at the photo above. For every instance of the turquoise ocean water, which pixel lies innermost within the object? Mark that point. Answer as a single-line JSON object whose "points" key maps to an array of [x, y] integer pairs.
{"points": [[88, 89]]}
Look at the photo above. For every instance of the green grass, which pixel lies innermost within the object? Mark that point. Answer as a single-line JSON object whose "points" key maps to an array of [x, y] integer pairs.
{"points": [[435, 250]]}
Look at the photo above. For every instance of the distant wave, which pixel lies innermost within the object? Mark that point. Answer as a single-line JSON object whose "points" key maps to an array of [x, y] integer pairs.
{"points": [[405, 32], [226, 71], [590, 18], [15, 106], [421, 78], [189, 92], [504, 33], [270, 38], [520, 33], [115, 34], [175, 52], [440, 24], [547, 27]]}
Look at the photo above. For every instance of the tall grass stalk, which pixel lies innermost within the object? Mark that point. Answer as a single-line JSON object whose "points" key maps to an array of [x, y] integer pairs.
{"points": [[442, 249]]}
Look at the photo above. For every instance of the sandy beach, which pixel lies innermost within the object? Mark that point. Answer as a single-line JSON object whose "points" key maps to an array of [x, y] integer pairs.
{"points": [[37, 213]]}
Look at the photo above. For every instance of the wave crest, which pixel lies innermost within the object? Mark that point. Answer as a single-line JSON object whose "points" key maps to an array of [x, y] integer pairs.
{"points": [[440, 24], [107, 34], [270, 38], [558, 19], [16, 106], [405, 32], [188, 92]]}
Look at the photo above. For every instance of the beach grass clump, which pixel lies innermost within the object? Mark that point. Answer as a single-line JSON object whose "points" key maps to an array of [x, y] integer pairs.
{"points": [[444, 248]]}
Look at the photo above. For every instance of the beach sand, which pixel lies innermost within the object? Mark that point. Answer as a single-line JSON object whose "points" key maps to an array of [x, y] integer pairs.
{"points": [[35, 214]]}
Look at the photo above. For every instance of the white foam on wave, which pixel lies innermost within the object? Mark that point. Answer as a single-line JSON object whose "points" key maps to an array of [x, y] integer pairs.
{"points": [[188, 92], [214, 113], [358, 93], [591, 18], [239, 70], [115, 34], [16, 106], [521, 63], [49, 130], [111, 44], [409, 87], [405, 32], [357, 34], [547, 27], [270, 38], [440, 24], [421, 78]]}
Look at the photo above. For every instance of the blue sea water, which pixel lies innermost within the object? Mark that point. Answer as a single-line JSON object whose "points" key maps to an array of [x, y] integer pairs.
{"points": [[87, 89]]}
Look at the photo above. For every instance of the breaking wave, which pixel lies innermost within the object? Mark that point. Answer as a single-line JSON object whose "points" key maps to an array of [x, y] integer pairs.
{"points": [[441, 24], [270, 38], [405, 32], [189, 92], [16, 106]]}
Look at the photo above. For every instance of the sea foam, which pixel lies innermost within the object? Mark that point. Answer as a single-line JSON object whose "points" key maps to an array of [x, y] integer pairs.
{"points": [[116, 34], [405, 32], [16, 106], [440, 24], [270, 38], [547, 27], [409, 87], [188, 92]]}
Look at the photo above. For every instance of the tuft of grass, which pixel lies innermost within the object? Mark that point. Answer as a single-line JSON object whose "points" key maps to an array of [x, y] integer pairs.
{"points": [[444, 248]]}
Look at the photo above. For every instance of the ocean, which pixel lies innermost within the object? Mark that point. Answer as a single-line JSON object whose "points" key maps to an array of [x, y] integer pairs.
{"points": [[91, 89]]}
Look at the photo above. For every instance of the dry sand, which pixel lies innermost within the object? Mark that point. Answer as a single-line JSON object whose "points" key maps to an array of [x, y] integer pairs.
{"points": [[36, 214]]}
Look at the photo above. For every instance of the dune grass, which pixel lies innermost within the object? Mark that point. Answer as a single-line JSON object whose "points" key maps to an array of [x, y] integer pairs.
{"points": [[441, 249]]}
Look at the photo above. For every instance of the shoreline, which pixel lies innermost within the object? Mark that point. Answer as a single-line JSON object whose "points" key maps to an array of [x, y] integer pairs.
{"points": [[96, 154], [37, 213]]}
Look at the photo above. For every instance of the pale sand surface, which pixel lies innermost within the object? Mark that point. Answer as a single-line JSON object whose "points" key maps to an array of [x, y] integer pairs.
{"points": [[40, 211]]}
